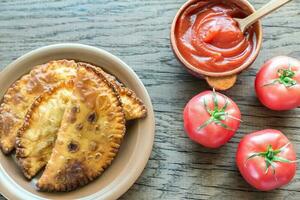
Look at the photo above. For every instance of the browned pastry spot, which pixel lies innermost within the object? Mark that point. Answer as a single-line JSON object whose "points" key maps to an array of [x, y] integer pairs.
{"points": [[92, 117], [73, 146], [73, 113], [73, 175]]}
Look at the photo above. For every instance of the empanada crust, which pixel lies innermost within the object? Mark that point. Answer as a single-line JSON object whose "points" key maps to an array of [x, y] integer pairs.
{"points": [[91, 131], [23, 92], [36, 138]]}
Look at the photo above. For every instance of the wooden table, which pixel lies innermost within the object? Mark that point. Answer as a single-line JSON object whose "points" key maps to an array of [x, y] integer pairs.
{"points": [[137, 31]]}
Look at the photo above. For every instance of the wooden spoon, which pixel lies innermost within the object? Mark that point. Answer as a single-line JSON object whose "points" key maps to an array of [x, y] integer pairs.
{"points": [[266, 9]]}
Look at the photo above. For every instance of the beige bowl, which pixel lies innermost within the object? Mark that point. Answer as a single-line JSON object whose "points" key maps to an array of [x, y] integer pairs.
{"points": [[135, 149]]}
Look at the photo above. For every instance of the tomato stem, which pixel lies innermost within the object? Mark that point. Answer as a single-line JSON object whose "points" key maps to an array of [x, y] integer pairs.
{"points": [[217, 115], [270, 157], [285, 77]]}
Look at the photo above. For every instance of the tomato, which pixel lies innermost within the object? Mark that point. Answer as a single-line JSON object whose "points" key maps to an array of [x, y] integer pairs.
{"points": [[211, 119], [277, 84], [266, 159]]}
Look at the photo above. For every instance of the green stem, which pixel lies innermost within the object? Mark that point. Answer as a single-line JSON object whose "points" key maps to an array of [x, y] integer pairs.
{"points": [[217, 115], [285, 77], [270, 157]]}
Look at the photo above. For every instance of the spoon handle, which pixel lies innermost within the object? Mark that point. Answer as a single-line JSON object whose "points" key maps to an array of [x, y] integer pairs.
{"points": [[263, 11]]}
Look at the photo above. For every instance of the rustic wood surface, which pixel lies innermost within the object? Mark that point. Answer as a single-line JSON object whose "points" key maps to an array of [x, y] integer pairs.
{"points": [[137, 31]]}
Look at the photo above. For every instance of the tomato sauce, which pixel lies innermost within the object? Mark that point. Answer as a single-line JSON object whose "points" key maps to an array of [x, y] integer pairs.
{"points": [[209, 38]]}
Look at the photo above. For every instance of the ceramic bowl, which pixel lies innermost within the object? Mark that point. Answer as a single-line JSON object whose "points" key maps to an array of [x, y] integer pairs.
{"points": [[136, 146], [218, 80]]}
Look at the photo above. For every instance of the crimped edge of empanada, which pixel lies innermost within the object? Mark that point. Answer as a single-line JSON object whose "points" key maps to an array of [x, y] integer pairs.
{"points": [[122, 90], [27, 122], [114, 144]]}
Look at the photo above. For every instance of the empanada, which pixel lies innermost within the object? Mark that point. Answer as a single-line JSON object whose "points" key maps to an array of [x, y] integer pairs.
{"points": [[36, 137], [23, 92], [133, 107], [89, 137]]}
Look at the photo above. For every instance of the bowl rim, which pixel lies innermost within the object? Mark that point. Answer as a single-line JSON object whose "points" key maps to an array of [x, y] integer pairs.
{"points": [[208, 73], [11, 191]]}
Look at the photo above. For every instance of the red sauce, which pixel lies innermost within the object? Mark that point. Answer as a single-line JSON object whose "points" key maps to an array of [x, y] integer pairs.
{"points": [[209, 38]]}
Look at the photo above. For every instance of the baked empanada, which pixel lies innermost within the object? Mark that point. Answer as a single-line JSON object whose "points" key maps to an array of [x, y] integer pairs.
{"points": [[133, 107], [36, 137], [89, 137], [23, 92]]}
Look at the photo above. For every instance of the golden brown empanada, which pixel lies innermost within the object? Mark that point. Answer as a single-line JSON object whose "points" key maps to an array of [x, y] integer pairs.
{"points": [[23, 92], [89, 137], [36, 137], [133, 107]]}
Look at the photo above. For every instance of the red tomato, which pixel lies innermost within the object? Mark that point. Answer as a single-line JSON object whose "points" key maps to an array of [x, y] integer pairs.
{"points": [[266, 159], [211, 119], [277, 84]]}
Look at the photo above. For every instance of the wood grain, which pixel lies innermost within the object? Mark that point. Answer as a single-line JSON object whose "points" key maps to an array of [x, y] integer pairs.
{"points": [[137, 31]]}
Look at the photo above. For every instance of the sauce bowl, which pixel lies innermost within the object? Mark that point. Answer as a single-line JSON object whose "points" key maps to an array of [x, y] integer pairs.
{"points": [[218, 80]]}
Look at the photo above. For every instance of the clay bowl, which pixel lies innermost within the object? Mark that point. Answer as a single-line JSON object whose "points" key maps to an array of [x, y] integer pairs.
{"points": [[135, 148], [218, 80]]}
